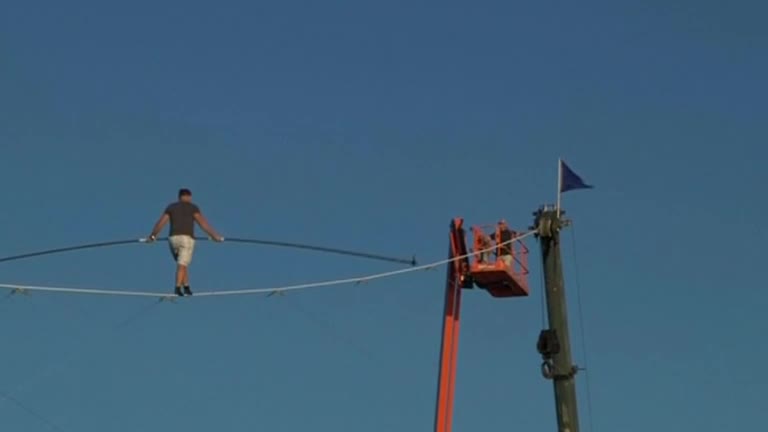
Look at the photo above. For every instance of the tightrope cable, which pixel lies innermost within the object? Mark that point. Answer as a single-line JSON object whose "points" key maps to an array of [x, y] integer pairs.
{"points": [[24, 407], [337, 251], [411, 261], [351, 280], [68, 249], [582, 329]]}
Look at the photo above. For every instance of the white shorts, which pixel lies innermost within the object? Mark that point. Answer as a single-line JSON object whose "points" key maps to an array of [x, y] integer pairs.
{"points": [[182, 247]]}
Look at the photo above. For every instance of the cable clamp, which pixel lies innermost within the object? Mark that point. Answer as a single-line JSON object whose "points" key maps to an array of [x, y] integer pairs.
{"points": [[548, 371]]}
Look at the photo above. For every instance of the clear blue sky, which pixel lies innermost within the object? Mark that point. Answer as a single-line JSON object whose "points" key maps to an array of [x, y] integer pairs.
{"points": [[369, 126]]}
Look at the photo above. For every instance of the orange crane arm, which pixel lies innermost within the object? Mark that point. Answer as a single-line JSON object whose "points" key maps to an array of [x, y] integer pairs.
{"points": [[457, 271]]}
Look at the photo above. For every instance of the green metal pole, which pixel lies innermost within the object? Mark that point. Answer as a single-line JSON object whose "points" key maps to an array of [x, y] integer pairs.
{"points": [[554, 343]]}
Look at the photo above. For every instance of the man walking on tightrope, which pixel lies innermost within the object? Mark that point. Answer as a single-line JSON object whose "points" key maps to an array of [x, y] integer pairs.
{"points": [[183, 214]]}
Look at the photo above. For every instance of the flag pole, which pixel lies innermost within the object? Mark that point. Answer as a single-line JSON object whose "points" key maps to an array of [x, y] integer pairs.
{"points": [[559, 183]]}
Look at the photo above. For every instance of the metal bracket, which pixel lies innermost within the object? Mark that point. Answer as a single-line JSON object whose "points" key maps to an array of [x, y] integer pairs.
{"points": [[548, 225], [547, 370]]}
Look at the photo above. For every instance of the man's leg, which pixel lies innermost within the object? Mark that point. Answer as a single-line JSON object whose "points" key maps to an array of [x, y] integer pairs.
{"points": [[175, 247], [187, 290], [179, 251], [181, 274], [185, 258]]}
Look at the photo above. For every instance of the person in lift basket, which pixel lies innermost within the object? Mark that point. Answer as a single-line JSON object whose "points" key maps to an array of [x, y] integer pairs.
{"points": [[182, 215], [504, 251]]}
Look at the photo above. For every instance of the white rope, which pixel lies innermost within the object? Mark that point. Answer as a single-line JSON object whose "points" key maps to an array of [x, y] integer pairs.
{"points": [[24, 288], [355, 280]]}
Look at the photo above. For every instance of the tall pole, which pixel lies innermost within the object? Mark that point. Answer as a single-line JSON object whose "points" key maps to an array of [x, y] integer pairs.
{"points": [[554, 343]]}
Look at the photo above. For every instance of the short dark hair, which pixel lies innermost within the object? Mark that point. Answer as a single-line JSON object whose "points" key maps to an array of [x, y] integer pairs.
{"points": [[184, 192]]}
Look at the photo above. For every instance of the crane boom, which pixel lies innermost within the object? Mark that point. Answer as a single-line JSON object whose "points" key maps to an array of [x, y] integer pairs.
{"points": [[449, 349], [503, 277]]}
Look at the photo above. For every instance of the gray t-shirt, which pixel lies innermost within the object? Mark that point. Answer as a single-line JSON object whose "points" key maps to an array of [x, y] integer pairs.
{"points": [[182, 216]]}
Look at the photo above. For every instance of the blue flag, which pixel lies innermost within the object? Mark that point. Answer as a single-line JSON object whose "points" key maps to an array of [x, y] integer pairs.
{"points": [[569, 180]]}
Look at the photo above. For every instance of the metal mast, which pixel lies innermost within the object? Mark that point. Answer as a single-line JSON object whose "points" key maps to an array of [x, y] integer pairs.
{"points": [[554, 343]]}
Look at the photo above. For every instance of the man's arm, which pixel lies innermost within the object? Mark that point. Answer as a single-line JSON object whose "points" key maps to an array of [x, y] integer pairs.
{"points": [[159, 225], [200, 219]]}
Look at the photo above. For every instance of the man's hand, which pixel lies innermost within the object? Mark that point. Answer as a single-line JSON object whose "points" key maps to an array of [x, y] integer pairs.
{"points": [[200, 219], [158, 226]]}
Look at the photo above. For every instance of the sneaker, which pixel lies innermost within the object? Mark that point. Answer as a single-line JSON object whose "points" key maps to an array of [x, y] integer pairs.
{"points": [[187, 291], [178, 292]]}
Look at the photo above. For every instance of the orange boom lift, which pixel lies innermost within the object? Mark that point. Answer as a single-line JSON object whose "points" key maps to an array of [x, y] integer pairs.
{"points": [[486, 271]]}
